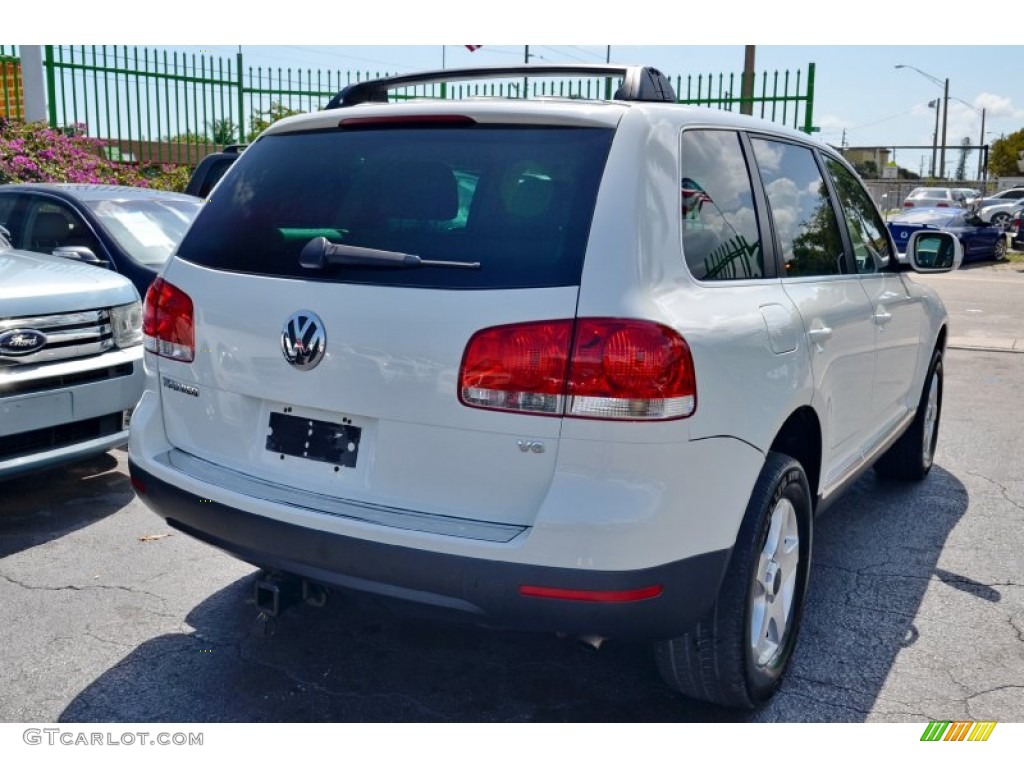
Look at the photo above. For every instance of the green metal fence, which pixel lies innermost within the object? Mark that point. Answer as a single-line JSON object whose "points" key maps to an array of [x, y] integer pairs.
{"points": [[155, 105]]}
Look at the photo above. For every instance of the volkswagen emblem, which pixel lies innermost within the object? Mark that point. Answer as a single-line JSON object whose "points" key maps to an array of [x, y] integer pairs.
{"points": [[21, 341], [303, 340]]}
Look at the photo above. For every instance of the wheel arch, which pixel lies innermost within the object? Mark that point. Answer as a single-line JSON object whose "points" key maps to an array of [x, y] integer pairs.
{"points": [[800, 438]]}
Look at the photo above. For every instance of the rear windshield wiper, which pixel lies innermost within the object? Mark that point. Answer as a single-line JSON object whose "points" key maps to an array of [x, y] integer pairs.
{"points": [[320, 252]]}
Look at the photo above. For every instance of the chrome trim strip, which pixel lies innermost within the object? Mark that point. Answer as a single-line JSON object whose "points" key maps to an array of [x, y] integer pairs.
{"points": [[843, 476], [47, 355], [247, 485], [92, 317]]}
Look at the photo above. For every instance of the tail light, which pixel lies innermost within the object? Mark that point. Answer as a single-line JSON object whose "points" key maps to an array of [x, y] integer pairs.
{"points": [[167, 322], [597, 368]]}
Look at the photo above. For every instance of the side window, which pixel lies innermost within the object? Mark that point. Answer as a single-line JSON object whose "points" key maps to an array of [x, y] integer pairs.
{"points": [[721, 237], [867, 230], [12, 212], [801, 210], [52, 225]]}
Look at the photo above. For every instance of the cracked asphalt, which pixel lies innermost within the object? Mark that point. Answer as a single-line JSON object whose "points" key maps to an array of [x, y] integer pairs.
{"points": [[916, 611]]}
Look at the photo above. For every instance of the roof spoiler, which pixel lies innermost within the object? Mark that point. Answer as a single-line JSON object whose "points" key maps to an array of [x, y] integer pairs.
{"points": [[638, 83]]}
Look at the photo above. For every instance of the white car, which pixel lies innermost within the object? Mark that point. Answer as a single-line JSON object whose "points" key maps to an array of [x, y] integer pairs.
{"points": [[574, 366], [70, 360], [1001, 213], [939, 197]]}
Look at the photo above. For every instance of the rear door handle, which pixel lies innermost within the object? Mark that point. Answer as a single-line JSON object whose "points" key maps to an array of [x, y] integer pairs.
{"points": [[882, 317]]}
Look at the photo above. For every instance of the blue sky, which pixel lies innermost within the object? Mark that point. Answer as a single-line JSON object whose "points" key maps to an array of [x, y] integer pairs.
{"points": [[857, 87]]}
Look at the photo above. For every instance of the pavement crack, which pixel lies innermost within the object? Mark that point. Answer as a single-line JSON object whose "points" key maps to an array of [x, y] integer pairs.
{"points": [[994, 689], [78, 588], [429, 714], [1002, 490]]}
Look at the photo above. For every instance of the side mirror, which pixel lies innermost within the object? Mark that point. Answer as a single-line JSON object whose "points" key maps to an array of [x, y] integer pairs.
{"points": [[932, 251], [80, 253]]}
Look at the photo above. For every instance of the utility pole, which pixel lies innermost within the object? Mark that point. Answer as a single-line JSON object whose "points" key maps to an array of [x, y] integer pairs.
{"points": [[945, 120], [982, 168], [935, 135], [747, 86]]}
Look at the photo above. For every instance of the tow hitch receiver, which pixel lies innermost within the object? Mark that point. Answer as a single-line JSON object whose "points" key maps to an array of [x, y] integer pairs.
{"points": [[274, 592]]}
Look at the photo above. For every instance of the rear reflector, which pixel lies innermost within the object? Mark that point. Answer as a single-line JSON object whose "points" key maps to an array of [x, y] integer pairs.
{"points": [[593, 596], [597, 368]]}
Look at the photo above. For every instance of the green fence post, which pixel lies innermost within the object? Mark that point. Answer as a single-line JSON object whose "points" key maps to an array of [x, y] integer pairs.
{"points": [[51, 85], [241, 99], [809, 111]]}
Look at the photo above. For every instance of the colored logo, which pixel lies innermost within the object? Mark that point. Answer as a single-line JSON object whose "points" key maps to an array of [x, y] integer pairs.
{"points": [[944, 730], [21, 341]]}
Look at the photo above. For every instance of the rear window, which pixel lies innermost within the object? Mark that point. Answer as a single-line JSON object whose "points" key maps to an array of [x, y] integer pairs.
{"points": [[517, 199]]}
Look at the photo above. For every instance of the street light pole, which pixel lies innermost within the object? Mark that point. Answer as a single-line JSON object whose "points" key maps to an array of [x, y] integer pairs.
{"points": [[945, 110], [935, 137]]}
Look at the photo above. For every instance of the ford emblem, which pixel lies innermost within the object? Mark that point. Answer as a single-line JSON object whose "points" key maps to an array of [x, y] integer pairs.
{"points": [[21, 341]]}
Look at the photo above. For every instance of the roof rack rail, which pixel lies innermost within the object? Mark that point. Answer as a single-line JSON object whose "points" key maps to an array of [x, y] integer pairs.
{"points": [[638, 84]]}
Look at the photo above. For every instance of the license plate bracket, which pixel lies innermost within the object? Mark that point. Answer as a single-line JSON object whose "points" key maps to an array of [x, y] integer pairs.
{"points": [[305, 438]]}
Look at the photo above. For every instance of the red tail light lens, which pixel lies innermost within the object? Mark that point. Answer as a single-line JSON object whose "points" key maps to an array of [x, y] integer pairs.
{"points": [[167, 322], [630, 369], [598, 368], [517, 367]]}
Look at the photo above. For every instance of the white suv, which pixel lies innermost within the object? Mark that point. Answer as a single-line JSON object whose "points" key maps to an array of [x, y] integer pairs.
{"points": [[578, 366]]}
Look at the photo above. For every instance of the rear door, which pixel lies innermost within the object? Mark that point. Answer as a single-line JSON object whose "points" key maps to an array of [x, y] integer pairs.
{"points": [[819, 278], [343, 380]]}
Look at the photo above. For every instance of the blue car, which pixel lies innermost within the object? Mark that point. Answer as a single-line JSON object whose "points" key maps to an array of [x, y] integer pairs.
{"points": [[980, 240]]}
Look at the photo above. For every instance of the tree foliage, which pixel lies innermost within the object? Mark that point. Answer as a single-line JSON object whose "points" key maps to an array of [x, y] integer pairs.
{"points": [[961, 164], [1005, 153], [262, 119]]}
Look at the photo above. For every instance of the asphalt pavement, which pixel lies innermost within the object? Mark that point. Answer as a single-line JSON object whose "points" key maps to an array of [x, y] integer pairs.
{"points": [[986, 305], [915, 611]]}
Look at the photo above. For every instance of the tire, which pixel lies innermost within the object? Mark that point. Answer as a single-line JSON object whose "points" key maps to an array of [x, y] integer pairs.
{"points": [[1000, 219], [910, 458], [999, 249], [736, 655]]}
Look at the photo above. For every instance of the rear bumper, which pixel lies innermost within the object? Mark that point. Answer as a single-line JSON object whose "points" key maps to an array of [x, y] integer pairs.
{"points": [[485, 591]]}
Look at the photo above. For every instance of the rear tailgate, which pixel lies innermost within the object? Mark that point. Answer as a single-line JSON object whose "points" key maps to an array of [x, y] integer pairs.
{"points": [[377, 420]]}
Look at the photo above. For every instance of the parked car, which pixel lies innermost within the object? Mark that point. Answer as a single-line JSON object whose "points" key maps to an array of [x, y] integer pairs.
{"points": [[1016, 231], [1000, 214], [558, 365], [210, 169], [980, 240], [70, 360], [127, 229], [937, 197], [968, 195], [1003, 196]]}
